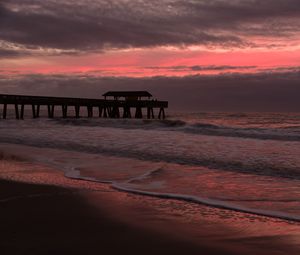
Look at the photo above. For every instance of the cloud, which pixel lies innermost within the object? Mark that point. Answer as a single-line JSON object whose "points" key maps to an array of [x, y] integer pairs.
{"points": [[197, 68], [96, 25], [265, 91], [4, 53]]}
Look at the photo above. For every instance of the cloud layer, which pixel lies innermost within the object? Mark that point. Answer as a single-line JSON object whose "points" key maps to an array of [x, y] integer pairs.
{"points": [[228, 92], [98, 25]]}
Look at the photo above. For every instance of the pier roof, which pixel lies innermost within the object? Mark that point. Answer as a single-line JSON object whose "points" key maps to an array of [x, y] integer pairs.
{"points": [[127, 94]]}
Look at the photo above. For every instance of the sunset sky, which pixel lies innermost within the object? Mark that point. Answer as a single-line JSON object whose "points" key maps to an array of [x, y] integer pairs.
{"points": [[211, 53]]}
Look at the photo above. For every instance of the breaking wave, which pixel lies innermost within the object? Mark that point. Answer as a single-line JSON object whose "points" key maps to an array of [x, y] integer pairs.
{"points": [[287, 133], [221, 204], [258, 168]]}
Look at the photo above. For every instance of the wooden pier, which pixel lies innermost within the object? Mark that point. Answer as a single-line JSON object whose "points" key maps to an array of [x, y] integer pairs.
{"points": [[116, 104]]}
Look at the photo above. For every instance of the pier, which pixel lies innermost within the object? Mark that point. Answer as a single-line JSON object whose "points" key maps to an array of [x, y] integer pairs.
{"points": [[115, 104]]}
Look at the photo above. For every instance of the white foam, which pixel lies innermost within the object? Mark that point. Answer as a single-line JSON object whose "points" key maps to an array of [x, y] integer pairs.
{"points": [[211, 202], [188, 198], [75, 174]]}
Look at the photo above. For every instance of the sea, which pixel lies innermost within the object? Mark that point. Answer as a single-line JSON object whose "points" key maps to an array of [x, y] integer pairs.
{"points": [[246, 162]]}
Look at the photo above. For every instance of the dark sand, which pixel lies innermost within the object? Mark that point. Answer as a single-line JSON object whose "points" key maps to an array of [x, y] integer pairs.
{"points": [[60, 222]]}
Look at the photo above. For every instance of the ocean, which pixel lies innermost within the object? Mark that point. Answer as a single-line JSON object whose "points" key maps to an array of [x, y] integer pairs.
{"points": [[246, 162]]}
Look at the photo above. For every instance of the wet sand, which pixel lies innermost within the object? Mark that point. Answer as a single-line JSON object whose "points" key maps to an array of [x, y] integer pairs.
{"points": [[57, 221], [42, 212]]}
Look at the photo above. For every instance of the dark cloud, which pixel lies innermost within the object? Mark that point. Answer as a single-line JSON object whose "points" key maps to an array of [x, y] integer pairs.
{"points": [[284, 69], [266, 91], [96, 25], [220, 68], [5, 53], [91, 33], [197, 68]]}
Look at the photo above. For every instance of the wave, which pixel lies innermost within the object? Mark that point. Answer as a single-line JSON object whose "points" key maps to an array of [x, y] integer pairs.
{"points": [[120, 123], [205, 125], [289, 133], [211, 202], [238, 115], [260, 168], [247, 133], [149, 174], [187, 198]]}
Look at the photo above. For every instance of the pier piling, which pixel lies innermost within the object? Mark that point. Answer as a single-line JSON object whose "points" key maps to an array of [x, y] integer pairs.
{"points": [[4, 110], [17, 111], [77, 111]]}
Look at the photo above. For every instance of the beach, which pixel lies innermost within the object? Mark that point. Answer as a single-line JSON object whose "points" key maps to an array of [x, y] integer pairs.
{"points": [[205, 183], [65, 224], [43, 212], [45, 219]]}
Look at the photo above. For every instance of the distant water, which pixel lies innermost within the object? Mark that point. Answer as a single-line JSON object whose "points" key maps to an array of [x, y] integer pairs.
{"points": [[248, 162]]}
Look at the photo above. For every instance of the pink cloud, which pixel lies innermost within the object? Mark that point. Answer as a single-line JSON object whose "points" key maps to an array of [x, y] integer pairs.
{"points": [[136, 62]]}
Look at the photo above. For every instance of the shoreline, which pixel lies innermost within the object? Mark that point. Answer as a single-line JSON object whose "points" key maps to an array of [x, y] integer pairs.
{"points": [[47, 218], [44, 212]]}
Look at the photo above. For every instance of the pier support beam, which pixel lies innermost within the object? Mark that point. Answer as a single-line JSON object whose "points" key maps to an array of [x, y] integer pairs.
{"points": [[138, 113], [51, 111], [77, 111], [33, 111], [104, 112], [38, 107], [36, 111], [64, 109], [150, 113], [22, 112], [115, 112], [4, 114], [109, 111], [161, 114], [90, 111], [126, 112], [100, 111], [17, 111]]}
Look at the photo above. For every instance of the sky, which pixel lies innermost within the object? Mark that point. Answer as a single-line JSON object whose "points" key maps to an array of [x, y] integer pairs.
{"points": [[235, 55]]}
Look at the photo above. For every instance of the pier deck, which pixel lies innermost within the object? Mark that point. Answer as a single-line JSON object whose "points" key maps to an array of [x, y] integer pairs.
{"points": [[106, 108]]}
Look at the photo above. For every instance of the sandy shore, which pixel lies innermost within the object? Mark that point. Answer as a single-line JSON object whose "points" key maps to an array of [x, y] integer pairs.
{"points": [[60, 222], [42, 212]]}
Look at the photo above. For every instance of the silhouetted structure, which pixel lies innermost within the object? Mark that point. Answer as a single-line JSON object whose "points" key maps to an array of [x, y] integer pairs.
{"points": [[127, 95], [107, 108]]}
